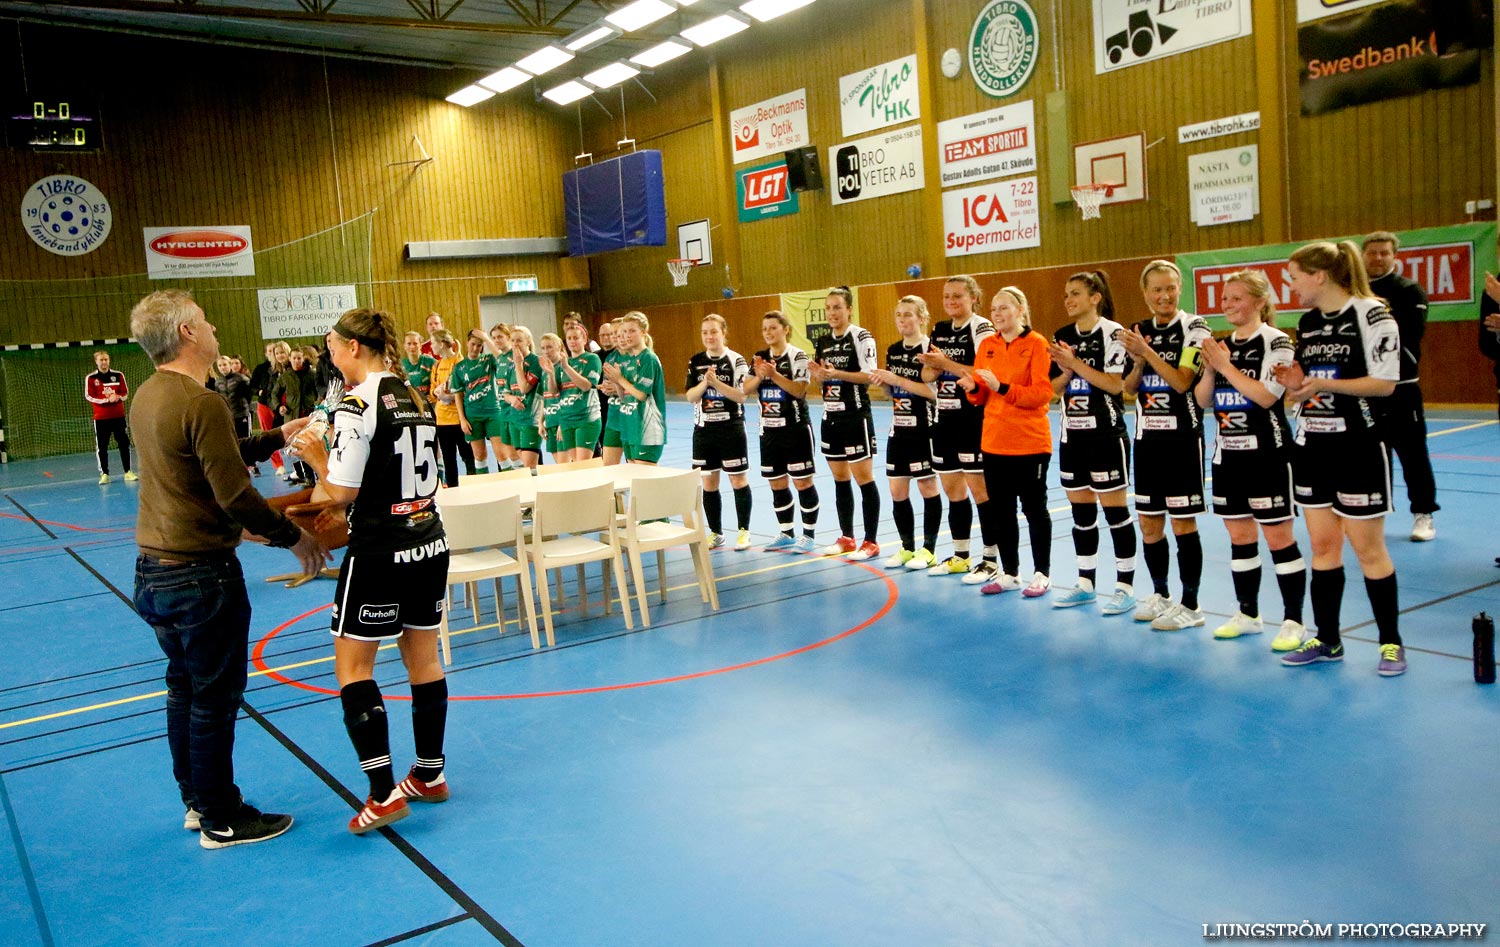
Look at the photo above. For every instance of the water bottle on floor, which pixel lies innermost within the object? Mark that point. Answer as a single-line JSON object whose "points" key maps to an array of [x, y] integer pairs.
{"points": [[1484, 649]]}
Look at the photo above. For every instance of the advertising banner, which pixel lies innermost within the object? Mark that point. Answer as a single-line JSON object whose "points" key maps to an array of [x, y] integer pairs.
{"points": [[877, 166], [198, 252], [762, 192], [1224, 185], [1004, 215], [1399, 48], [1130, 32], [993, 144], [1309, 10], [1218, 128], [303, 311], [1448, 262], [769, 127], [879, 97]]}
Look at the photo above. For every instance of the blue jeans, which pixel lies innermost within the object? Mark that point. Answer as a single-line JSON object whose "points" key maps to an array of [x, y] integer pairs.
{"points": [[201, 614]]}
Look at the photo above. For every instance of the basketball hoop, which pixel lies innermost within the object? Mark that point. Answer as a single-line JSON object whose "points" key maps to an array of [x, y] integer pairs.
{"points": [[680, 270], [1088, 197]]}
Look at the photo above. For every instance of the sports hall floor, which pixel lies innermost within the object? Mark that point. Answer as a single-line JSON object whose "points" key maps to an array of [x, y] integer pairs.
{"points": [[840, 756]]}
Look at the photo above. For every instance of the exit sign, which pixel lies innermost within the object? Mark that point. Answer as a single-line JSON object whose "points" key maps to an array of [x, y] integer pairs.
{"points": [[520, 284]]}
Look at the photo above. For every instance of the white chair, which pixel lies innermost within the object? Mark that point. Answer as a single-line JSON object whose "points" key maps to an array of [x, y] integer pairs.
{"points": [[560, 518], [648, 527], [474, 530], [567, 465], [517, 473]]}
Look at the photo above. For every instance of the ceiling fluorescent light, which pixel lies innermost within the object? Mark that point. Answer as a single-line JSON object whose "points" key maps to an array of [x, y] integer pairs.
{"points": [[504, 80], [570, 91], [639, 14], [764, 10], [470, 95], [591, 38], [656, 55], [716, 29], [611, 75], [545, 60]]}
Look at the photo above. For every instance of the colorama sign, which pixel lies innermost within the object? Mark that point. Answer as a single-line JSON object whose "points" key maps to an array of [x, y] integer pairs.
{"points": [[763, 192]]}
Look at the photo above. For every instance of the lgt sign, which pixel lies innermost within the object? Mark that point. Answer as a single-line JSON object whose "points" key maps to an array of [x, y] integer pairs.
{"points": [[763, 192]]}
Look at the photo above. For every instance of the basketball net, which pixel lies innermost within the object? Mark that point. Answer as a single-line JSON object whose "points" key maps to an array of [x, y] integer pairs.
{"points": [[680, 270], [1088, 197]]}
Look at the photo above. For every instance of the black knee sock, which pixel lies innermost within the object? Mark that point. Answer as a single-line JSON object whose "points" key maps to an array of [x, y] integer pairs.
{"points": [[932, 521], [1039, 530], [429, 719], [1158, 560], [1291, 577], [988, 534], [1244, 565], [808, 500], [713, 510], [1327, 591], [1190, 566], [1122, 532], [869, 498], [364, 718], [742, 506], [1387, 610], [960, 524], [784, 504], [906, 523], [843, 504], [1086, 540]]}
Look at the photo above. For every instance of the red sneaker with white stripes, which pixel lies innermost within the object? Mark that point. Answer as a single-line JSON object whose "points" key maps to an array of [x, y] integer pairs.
{"points": [[376, 814], [419, 791]]}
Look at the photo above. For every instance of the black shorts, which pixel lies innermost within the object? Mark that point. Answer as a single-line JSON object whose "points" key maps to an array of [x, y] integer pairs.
{"points": [[955, 444], [849, 439], [787, 453], [380, 594], [721, 446], [1100, 464], [1169, 477], [1254, 483], [908, 454], [1350, 475]]}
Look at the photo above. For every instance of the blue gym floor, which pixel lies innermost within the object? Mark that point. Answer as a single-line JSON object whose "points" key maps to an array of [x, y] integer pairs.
{"points": [[840, 756]]}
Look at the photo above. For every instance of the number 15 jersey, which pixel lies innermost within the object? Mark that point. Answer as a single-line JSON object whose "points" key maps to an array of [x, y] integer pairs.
{"points": [[386, 448]]}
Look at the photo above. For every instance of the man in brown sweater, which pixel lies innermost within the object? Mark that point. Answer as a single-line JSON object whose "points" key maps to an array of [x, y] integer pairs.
{"points": [[195, 502]]}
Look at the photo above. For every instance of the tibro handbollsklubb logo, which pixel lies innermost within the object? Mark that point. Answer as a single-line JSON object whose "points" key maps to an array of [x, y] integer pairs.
{"points": [[1003, 47]]}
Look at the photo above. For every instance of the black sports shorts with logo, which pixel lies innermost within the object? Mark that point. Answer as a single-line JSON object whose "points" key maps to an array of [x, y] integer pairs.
{"points": [[380, 594]]}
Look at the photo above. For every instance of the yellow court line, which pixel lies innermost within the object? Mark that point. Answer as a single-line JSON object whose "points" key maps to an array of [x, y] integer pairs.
{"points": [[1466, 427]]}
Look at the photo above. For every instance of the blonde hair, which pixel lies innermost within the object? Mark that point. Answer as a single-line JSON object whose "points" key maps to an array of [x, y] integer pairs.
{"points": [[639, 318], [716, 318], [1019, 298], [412, 335], [524, 332], [555, 339], [1161, 266], [1258, 285], [1342, 262]]}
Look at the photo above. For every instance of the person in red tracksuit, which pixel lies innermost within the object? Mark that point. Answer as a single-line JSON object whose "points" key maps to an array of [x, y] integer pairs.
{"points": [[106, 391]]}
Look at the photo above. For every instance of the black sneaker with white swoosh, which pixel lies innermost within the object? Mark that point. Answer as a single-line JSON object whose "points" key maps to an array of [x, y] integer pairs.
{"points": [[247, 826]]}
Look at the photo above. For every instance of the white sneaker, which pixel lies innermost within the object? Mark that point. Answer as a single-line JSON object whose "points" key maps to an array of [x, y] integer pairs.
{"points": [[1239, 624], [715, 540], [1177, 617], [982, 574], [1153, 607], [1038, 587], [1422, 529], [742, 541], [1290, 637]]}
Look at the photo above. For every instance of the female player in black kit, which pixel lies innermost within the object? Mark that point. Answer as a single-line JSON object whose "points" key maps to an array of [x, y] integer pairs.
{"points": [[1093, 458], [908, 450], [384, 463], [843, 360], [1348, 351], [1252, 461], [779, 380]]}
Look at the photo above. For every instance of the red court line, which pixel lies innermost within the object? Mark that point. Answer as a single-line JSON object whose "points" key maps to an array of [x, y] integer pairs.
{"points": [[892, 593], [81, 529]]}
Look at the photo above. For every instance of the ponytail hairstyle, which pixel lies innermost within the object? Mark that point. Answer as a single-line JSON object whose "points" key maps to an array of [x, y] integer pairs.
{"points": [[448, 341], [1019, 298], [972, 286], [920, 305], [1341, 261], [639, 318], [844, 293], [1258, 286], [722, 323], [376, 331], [1098, 283], [780, 317]]}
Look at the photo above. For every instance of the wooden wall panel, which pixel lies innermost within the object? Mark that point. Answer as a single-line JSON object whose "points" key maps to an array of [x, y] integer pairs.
{"points": [[290, 148]]}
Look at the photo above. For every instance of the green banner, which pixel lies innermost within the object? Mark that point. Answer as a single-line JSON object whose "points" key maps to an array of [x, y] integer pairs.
{"points": [[764, 191], [1448, 262]]}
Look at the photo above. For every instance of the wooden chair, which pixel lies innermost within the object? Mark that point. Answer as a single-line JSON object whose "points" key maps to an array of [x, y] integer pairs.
{"points": [[648, 527], [566, 516], [475, 530], [545, 469], [515, 474]]}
